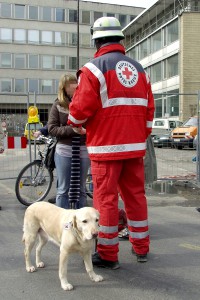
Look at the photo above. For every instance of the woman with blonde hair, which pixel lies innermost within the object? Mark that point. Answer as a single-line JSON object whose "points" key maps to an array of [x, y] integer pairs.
{"points": [[71, 156]]}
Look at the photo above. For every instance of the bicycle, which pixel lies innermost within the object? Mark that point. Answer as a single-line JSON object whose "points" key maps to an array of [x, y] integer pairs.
{"points": [[35, 180]]}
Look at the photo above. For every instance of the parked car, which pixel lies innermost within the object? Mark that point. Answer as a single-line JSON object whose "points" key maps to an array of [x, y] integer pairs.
{"points": [[164, 125], [183, 136], [163, 140]]}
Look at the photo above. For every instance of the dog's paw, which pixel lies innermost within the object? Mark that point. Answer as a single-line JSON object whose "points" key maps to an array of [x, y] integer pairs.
{"points": [[97, 278], [66, 286], [30, 269], [94, 277], [40, 264]]}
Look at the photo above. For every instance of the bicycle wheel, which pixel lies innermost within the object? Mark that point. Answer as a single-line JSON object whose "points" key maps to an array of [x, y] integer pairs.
{"points": [[89, 186], [33, 183]]}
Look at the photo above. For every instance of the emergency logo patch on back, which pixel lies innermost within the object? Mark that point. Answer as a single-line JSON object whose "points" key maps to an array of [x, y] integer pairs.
{"points": [[127, 74]]}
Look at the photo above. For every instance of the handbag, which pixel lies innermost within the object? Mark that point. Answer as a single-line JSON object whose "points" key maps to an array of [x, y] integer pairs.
{"points": [[49, 158]]}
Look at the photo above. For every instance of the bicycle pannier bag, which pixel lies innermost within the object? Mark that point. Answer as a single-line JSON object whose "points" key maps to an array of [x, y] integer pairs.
{"points": [[49, 159]]}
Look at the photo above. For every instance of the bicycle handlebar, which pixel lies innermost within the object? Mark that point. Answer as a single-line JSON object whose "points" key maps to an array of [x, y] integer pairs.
{"points": [[45, 139]]}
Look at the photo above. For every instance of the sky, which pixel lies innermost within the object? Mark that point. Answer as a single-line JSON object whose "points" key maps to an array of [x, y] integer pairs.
{"points": [[138, 3]]}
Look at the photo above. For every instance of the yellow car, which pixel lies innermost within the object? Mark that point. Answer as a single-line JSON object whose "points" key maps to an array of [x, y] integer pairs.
{"points": [[32, 127]]}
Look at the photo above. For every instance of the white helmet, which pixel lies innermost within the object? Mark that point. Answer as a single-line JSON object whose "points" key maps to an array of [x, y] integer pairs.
{"points": [[106, 26]]}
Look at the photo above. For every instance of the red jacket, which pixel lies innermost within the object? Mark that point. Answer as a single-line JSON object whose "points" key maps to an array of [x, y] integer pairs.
{"points": [[115, 102]]}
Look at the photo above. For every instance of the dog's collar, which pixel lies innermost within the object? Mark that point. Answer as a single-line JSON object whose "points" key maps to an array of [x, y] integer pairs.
{"points": [[68, 226]]}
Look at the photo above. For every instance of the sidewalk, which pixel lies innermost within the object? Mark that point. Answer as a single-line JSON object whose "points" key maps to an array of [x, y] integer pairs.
{"points": [[172, 272]]}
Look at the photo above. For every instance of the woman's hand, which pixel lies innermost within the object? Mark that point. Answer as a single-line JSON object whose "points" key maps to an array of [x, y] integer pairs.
{"points": [[79, 130]]}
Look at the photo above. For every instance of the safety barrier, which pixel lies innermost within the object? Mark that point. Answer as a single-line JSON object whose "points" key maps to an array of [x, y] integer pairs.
{"points": [[15, 142]]}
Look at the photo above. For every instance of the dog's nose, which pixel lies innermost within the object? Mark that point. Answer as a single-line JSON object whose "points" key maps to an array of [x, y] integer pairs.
{"points": [[94, 235]]}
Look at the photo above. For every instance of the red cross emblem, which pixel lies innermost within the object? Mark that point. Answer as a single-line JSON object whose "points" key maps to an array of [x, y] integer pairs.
{"points": [[127, 73]]}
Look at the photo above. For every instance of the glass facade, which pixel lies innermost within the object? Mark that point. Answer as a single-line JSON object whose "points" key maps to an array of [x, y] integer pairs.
{"points": [[40, 31]]}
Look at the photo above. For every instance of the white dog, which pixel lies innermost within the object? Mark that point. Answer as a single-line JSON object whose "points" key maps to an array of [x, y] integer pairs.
{"points": [[72, 230]]}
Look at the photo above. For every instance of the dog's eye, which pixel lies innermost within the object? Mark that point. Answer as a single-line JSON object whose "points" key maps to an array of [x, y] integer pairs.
{"points": [[84, 221], [97, 220]]}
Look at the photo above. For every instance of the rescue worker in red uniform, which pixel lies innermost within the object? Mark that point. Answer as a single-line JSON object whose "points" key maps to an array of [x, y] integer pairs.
{"points": [[115, 104]]}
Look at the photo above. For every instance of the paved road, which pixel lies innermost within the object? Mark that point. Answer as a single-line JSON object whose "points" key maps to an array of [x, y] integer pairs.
{"points": [[172, 272]]}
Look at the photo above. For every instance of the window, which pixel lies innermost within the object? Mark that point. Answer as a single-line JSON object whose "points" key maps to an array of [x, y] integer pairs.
{"points": [[156, 42], [72, 63], [47, 37], [60, 38], [33, 12], [158, 107], [73, 39], [110, 15], [172, 32], [33, 85], [143, 49], [6, 35], [33, 36], [19, 11], [47, 62], [72, 15], [6, 60], [46, 86], [85, 17], [20, 62], [19, 85], [6, 85], [97, 15], [20, 36], [134, 53], [46, 13], [60, 15], [60, 62], [173, 103], [85, 39], [156, 73], [172, 66], [122, 20], [5, 10], [33, 61]]}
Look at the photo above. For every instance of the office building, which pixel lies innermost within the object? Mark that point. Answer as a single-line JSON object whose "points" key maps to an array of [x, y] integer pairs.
{"points": [[38, 43], [165, 39]]}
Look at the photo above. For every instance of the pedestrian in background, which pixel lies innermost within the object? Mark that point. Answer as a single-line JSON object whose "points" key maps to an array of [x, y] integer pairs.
{"points": [[66, 136], [115, 101]]}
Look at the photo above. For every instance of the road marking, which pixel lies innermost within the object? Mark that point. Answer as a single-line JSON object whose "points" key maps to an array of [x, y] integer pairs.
{"points": [[9, 190], [190, 246]]}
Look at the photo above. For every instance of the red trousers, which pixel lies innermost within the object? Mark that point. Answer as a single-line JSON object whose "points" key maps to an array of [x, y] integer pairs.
{"points": [[126, 177]]}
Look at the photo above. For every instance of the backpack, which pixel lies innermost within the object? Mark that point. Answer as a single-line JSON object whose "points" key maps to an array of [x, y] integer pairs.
{"points": [[49, 159]]}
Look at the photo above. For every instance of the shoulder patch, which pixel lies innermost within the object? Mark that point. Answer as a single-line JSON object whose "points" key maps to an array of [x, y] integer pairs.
{"points": [[127, 74]]}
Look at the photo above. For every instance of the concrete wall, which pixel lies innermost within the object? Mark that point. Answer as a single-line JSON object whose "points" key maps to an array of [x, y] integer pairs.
{"points": [[189, 62]]}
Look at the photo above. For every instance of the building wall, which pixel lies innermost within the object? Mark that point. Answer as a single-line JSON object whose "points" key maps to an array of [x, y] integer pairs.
{"points": [[13, 103], [189, 62]]}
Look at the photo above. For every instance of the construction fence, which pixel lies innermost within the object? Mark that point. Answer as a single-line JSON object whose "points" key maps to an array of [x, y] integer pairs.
{"points": [[172, 164]]}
